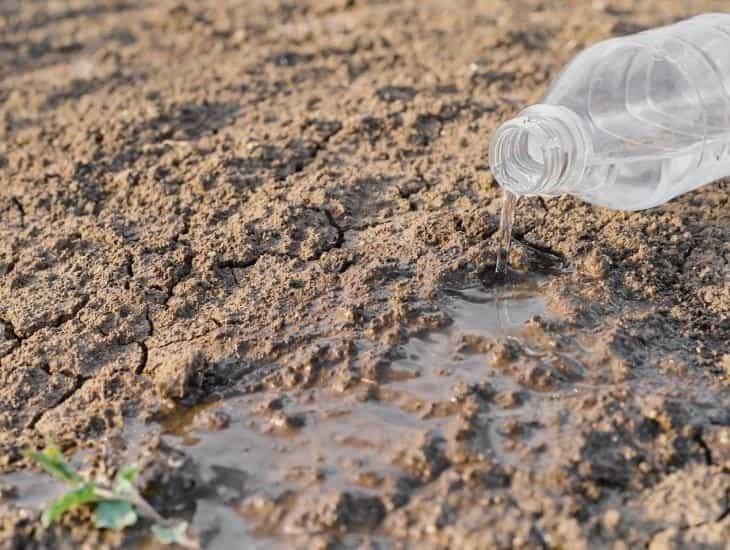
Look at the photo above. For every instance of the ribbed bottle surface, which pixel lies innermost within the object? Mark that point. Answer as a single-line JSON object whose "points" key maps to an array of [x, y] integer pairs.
{"points": [[656, 109]]}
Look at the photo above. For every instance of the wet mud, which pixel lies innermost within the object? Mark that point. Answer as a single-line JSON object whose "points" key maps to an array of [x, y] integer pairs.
{"points": [[250, 246]]}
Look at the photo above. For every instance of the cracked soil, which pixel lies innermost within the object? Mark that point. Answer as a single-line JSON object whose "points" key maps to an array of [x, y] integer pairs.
{"points": [[236, 230]]}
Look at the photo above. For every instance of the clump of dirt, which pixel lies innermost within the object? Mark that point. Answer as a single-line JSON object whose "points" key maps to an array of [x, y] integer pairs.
{"points": [[261, 229]]}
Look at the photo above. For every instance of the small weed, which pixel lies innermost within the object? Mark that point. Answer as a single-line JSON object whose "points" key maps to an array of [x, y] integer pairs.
{"points": [[116, 505]]}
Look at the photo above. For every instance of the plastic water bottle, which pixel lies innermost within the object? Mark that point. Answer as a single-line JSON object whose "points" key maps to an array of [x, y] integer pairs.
{"points": [[630, 123]]}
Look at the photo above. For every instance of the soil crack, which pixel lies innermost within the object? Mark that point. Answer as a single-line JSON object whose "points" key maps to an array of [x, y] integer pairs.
{"points": [[129, 268], [339, 241], [9, 328], [9, 267], [21, 210], [14, 340], [705, 449], [191, 338], [144, 356], [187, 269], [237, 264], [66, 317], [78, 384]]}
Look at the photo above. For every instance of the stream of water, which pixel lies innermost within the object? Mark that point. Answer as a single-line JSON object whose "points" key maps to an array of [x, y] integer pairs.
{"points": [[507, 218]]}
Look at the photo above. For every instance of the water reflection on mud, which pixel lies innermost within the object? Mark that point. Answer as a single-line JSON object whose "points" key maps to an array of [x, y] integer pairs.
{"points": [[276, 455]]}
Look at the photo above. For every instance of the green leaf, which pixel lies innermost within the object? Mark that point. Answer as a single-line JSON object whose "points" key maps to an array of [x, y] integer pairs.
{"points": [[177, 534], [114, 514], [53, 462], [84, 494], [124, 482]]}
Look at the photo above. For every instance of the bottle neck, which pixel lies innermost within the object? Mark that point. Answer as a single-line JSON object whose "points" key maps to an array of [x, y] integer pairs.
{"points": [[543, 151]]}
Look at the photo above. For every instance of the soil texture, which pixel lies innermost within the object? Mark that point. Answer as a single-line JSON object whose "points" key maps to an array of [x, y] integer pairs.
{"points": [[247, 245]]}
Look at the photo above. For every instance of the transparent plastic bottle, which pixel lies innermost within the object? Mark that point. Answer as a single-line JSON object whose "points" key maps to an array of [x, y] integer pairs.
{"points": [[630, 123]]}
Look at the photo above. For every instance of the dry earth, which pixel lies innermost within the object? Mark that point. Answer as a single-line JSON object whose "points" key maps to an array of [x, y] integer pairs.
{"points": [[271, 198]]}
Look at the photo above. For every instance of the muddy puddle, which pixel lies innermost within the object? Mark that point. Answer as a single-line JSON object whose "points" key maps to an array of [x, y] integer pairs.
{"points": [[282, 464]]}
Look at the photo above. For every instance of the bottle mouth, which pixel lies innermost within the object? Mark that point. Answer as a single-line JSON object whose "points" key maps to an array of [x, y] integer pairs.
{"points": [[538, 153]]}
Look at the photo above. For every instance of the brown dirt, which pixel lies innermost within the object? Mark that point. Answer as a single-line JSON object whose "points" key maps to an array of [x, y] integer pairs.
{"points": [[271, 199]]}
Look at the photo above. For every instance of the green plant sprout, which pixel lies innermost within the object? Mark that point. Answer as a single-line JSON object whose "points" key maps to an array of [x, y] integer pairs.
{"points": [[116, 505]]}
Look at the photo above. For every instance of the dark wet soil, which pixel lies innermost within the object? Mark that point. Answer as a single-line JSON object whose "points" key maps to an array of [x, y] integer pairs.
{"points": [[247, 246]]}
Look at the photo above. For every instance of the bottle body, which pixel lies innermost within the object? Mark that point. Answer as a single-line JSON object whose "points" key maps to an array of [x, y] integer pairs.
{"points": [[630, 123]]}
